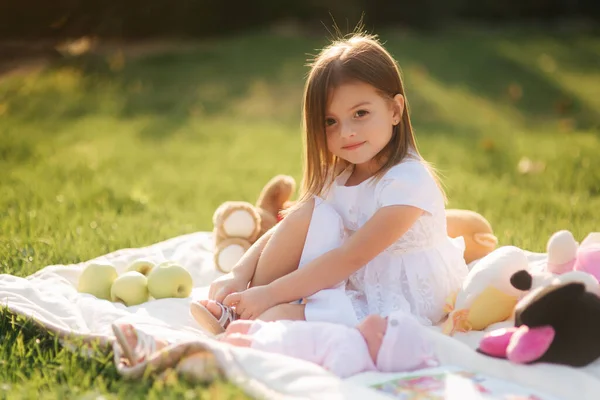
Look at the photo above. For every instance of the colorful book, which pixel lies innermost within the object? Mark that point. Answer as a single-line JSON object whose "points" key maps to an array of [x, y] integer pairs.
{"points": [[454, 383]]}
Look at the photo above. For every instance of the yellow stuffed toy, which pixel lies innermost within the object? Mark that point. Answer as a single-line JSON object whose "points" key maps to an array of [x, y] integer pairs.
{"points": [[486, 295], [476, 231], [238, 224]]}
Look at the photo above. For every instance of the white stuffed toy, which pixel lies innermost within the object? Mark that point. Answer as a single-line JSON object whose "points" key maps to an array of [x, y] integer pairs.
{"points": [[486, 295]]}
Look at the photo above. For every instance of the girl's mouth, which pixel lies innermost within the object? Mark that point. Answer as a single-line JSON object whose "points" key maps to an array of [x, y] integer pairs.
{"points": [[353, 146]]}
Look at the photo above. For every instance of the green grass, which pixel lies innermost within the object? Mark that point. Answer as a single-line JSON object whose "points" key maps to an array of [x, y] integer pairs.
{"points": [[99, 153]]}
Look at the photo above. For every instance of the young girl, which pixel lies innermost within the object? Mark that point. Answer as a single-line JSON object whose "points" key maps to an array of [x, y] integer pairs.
{"points": [[369, 233]]}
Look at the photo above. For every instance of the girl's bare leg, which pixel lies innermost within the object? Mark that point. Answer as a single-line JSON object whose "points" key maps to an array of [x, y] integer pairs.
{"points": [[282, 252], [288, 249]]}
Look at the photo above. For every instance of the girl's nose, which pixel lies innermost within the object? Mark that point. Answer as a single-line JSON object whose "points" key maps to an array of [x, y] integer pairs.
{"points": [[347, 131]]}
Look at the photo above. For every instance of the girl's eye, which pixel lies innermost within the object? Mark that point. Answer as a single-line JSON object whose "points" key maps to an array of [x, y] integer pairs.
{"points": [[329, 121], [361, 113]]}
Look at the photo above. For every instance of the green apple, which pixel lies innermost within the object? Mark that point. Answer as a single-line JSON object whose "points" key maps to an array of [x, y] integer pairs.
{"points": [[130, 288], [97, 279], [169, 279], [142, 266]]}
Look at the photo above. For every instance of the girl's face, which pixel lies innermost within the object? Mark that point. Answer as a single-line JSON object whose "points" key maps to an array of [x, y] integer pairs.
{"points": [[359, 122]]}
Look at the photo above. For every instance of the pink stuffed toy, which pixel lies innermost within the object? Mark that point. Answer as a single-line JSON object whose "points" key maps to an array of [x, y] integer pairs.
{"points": [[521, 345], [588, 255], [557, 323], [565, 254]]}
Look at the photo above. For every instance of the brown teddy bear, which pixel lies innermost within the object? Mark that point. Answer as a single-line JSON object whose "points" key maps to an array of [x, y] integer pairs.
{"points": [[238, 224], [475, 229]]}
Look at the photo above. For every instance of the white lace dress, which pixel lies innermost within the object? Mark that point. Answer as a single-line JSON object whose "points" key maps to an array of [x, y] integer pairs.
{"points": [[419, 271]]}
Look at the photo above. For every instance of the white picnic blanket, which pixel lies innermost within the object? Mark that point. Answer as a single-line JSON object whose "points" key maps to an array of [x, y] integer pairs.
{"points": [[50, 297]]}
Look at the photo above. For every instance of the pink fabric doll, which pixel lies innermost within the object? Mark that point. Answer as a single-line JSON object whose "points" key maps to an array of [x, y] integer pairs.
{"points": [[394, 344]]}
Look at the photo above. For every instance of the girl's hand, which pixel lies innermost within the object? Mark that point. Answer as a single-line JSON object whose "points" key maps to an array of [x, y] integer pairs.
{"points": [[252, 302], [225, 285]]}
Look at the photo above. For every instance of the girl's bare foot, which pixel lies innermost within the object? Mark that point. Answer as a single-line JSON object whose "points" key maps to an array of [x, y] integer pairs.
{"points": [[213, 307], [213, 317]]}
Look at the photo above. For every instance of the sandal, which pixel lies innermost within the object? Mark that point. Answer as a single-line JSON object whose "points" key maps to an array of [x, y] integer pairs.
{"points": [[208, 321], [144, 348]]}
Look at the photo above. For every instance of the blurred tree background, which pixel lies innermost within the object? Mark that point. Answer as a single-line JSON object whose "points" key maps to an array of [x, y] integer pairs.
{"points": [[199, 18]]}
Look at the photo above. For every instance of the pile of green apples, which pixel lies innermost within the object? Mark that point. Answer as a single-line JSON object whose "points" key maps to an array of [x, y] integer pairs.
{"points": [[141, 281]]}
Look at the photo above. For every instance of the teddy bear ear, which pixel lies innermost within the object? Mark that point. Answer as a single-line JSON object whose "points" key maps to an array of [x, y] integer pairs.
{"points": [[521, 280], [276, 193]]}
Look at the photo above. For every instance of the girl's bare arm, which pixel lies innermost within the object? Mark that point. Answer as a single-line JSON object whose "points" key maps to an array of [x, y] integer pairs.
{"points": [[383, 229]]}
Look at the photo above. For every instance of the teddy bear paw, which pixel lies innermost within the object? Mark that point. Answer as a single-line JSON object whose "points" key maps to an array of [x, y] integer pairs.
{"points": [[229, 252]]}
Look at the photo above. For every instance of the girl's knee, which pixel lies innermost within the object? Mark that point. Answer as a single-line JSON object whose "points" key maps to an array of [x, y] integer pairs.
{"points": [[317, 215], [302, 214], [317, 209]]}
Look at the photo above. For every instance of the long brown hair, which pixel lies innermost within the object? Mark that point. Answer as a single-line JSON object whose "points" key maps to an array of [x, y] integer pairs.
{"points": [[359, 57]]}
